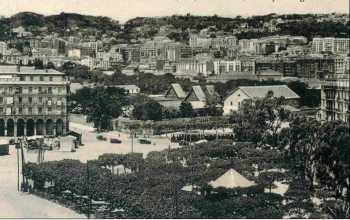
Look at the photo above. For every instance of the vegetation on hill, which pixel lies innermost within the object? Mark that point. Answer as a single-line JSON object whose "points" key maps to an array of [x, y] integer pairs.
{"points": [[146, 27], [59, 23]]}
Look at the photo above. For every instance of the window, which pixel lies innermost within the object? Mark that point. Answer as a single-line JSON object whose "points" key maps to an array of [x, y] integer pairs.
{"points": [[20, 111], [50, 78], [1, 110], [21, 78], [40, 89], [18, 90], [40, 99], [30, 99], [20, 100], [41, 78], [49, 109], [1, 99], [40, 110], [31, 78], [30, 90], [30, 110], [49, 90]]}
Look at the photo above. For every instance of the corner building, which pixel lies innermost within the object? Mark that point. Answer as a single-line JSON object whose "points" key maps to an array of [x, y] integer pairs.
{"points": [[33, 101]]}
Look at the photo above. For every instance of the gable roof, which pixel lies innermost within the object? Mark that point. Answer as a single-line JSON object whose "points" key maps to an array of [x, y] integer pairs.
{"points": [[180, 93], [261, 91], [231, 179], [210, 90], [199, 93]]}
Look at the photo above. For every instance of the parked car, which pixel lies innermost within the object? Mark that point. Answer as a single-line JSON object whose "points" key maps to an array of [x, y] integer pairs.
{"points": [[144, 141], [115, 141], [101, 138]]}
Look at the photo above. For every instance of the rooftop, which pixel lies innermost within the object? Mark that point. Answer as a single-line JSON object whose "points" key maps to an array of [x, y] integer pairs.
{"points": [[262, 91], [25, 70]]}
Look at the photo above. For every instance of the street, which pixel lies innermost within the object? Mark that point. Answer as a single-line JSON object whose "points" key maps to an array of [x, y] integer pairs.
{"points": [[24, 205]]}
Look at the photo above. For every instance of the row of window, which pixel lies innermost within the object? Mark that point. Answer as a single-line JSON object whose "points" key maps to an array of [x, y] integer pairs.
{"points": [[30, 100], [29, 111], [31, 90], [41, 78]]}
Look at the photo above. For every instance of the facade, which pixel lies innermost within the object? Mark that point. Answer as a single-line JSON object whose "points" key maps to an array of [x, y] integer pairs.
{"points": [[234, 100], [341, 64], [32, 101], [331, 44], [193, 67], [227, 66], [335, 99]]}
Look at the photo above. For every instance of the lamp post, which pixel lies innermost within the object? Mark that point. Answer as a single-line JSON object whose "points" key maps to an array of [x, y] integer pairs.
{"points": [[17, 149]]}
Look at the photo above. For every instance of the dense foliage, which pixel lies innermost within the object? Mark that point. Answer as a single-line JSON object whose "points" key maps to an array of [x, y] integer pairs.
{"points": [[153, 187], [60, 23], [101, 104]]}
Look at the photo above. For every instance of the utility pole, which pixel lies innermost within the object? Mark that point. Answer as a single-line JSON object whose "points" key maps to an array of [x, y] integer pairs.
{"points": [[17, 149], [23, 163]]}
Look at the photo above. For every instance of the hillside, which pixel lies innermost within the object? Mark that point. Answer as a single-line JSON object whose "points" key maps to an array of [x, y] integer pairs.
{"points": [[60, 22], [309, 25]]}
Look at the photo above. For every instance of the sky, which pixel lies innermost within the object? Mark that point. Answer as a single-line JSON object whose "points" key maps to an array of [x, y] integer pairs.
{"points": [[123, 10]]}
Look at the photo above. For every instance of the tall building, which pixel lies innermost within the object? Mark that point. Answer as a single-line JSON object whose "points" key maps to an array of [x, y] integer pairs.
{"points": [[32, 101], [331, 44], [195, 66], [227, 66], [335, 99]]}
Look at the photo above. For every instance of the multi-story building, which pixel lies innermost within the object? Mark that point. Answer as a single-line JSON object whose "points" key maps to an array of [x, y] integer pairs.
{"points": [[32, 101], [134, 53], [331, 44], [197, 41], [174, 52], [224, 42], [195, 66], [341, 64], [335, 99], [227, 66], [314, 67]]}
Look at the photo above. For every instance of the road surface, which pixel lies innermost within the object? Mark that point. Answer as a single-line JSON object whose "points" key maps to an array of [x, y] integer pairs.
{"points": [[14, 204]]}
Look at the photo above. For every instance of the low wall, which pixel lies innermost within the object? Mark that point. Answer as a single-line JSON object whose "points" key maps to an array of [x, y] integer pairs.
{"points": [[79, 119]]}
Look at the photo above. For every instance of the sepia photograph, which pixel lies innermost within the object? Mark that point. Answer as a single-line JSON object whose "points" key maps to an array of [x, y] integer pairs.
{"points": [[174, 109]]}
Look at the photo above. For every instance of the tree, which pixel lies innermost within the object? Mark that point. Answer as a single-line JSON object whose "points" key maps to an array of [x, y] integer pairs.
{"points": [[259, 120], [105, 104], [150, 110], [186, 110]]}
